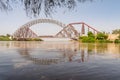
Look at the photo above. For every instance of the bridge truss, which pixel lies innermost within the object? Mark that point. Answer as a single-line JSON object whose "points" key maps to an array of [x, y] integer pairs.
{"points": [[68, 31], [25, 32]]}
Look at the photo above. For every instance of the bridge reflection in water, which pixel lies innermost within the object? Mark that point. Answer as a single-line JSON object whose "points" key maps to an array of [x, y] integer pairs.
{"points": [[46, 53], [59, 61], [52, 53]]}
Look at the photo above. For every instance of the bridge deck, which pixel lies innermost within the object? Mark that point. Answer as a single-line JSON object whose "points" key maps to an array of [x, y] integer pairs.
{"points": [[56, 39]]}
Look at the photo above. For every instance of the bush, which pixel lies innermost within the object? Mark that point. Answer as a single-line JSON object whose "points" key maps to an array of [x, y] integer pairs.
{"points": [[37, 39], [104, 41], [108, 41], [88, 39], [101, 36], [29, 39], [4, 38], [117, 41], [90, 34]]}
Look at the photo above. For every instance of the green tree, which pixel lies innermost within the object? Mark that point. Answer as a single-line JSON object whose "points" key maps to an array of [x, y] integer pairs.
{"points": [[4, 38], [101, 36], [119, 37], [34, 7], [90, 34], [89, 39], [116, 31], [8, 35]]}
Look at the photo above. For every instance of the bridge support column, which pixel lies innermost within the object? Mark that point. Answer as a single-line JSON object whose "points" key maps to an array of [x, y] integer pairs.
{"points": [[88, 29], [83, 29]]}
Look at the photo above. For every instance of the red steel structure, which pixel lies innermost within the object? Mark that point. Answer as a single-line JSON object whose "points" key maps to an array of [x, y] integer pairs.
{"points": [[68, 31], [83, 27]]}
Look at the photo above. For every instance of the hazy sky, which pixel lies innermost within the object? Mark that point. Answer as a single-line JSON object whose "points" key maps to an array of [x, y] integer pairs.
{"points": [[103, 15]]}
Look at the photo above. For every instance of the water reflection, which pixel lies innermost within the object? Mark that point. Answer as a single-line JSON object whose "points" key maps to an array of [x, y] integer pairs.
{"points": [[44, 61], [56, 53], [46, 53], [59, 61]]}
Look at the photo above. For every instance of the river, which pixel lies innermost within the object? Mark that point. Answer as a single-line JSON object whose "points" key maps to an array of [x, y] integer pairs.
{"points": [[59, 61]]}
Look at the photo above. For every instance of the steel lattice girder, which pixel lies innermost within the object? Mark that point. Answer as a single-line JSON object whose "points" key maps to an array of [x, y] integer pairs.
{"points": [[68, 31], [25, 32]]}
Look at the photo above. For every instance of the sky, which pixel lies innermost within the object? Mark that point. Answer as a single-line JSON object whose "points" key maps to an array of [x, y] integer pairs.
{"points": [[103, 15]]}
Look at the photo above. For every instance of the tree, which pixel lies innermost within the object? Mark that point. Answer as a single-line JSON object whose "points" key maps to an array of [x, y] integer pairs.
{"points": [[34, 7], [116, 31], [101, 36], [8, 35], [119, 37], [89, 39], [90, 34]]}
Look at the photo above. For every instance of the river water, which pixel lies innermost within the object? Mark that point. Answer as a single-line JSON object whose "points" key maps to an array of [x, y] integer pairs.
{"points": [[59, 61]]}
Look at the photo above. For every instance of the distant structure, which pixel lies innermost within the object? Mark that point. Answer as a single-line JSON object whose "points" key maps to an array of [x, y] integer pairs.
{"points": [[112, 37], [68, 31]]}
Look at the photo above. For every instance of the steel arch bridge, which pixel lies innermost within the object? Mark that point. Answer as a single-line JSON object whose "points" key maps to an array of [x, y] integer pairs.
{"points": [[25, 32], [68, 31]]}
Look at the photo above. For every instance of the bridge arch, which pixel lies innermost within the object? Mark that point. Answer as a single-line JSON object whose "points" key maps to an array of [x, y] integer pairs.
{"points": [[25, 32], [29, 24]]}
